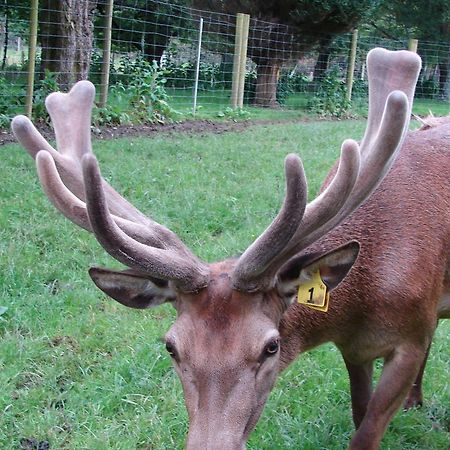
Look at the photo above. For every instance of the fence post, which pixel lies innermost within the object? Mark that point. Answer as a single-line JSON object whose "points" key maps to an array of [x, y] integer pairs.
{"points": [[32, 56], [243, 59], [412, 45], [104, 84], [197, 67], [351, 64], [236, 61]]}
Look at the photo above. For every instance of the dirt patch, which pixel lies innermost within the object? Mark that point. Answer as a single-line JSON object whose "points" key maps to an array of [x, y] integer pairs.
{"points": [[33, 444], [67, 341], [188, 127]]}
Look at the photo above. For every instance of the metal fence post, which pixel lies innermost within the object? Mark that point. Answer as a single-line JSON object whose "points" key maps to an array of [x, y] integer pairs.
{"points": [[106, 54], [351, 64], [197, 67], [32, 56]]}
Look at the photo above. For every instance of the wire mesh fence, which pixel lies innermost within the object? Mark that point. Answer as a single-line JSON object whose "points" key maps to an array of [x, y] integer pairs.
{"points": [[157, 49]]}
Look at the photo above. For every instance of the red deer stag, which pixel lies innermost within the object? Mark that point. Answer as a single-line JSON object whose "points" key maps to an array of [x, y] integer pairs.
{"points": [[238, 323]]}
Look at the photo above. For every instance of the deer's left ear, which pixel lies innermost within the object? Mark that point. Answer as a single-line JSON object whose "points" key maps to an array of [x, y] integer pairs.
{"points": [[333, 267], [132, 288]]}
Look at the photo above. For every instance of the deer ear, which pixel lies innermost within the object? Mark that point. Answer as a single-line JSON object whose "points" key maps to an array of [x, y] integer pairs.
{"points": [[132, 288], [333, 267]]}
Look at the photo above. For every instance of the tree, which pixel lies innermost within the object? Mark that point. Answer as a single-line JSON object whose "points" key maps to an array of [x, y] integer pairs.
{"points": [[65, 34], [304, 24], [14, 20], [427, 22], [147, 25]]}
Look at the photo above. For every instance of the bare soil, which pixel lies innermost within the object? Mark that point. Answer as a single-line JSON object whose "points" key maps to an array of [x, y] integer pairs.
{"points": [[120, 131]]}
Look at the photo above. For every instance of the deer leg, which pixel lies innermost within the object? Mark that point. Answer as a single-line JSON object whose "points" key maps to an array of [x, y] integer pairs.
{"points": [[360, 388], [399, 372], [415, 397]]}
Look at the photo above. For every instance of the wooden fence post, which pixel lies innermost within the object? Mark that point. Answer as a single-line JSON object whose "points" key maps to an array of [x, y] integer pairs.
{"points": [[243, 59], [236, 61], [104, 84], [412, 45], [351, 64], [32, 56]]}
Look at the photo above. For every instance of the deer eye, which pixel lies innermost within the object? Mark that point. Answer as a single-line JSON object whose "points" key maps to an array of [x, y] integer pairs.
{"points": [[171, 350], [272, 347]]}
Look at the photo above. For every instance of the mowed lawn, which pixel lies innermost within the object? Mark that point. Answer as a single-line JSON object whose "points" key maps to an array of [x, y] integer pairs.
{"points": [[80, 371]]}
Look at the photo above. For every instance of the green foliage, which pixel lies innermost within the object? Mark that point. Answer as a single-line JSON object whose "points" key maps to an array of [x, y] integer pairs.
{"points": [[290, 83], [182, 75], [44, 87], [427, 88], [234, 114], [110, 115], [360, 88], [142, 85], [330, 98], [10, 98]]}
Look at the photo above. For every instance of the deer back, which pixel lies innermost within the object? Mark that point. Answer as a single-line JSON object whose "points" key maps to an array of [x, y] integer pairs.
{"points": [[395, 286]]}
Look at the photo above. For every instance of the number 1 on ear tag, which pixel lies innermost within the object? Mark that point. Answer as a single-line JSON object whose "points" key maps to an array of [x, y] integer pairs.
{"points": [[314, 293]]}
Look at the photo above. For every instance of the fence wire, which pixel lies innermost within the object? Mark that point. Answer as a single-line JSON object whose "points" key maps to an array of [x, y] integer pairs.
{"points": [[154, 49]]}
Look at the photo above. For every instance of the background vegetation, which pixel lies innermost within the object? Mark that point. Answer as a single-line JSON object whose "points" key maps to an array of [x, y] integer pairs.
{"points": [[297, 54]]}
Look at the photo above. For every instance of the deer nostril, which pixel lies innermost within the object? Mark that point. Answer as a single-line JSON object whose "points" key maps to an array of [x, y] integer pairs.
{"points": [[171, 350]]}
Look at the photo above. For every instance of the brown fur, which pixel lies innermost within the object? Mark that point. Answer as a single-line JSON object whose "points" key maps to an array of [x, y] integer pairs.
{"points": [[390, 300]]}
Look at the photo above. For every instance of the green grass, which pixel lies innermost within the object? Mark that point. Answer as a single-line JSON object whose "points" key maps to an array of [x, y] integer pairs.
{"points": [[83, 372], [211, 103]]}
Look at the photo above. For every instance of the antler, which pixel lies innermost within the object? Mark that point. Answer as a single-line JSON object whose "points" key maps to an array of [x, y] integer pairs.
{"points": [[392, 79], [71, 175]]}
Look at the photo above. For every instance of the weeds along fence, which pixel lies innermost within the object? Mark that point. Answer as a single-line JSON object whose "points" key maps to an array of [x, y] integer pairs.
{"points": [[156, 59]]}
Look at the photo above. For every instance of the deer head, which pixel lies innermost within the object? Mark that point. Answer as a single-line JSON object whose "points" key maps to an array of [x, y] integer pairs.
{"points": [[225, 342]]}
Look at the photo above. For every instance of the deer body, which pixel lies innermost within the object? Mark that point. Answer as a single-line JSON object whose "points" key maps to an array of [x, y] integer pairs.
{"points": [[401, 274], [389, 304], [237, 322]]}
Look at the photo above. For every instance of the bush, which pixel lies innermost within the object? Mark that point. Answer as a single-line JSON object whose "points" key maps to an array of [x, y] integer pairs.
{"points": [[10, 98], [45, 87], [143, 88], [290, 83], [330, 98], [427, 88]]}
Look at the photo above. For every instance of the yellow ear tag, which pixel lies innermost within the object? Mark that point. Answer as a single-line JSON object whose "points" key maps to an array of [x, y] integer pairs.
{"points": [[314, 293]]}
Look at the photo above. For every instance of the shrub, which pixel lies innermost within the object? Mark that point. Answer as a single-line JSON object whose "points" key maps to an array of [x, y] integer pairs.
{"points": [[144, 90], [45, 87], [10, 98], [290, 83], [330, 98]]}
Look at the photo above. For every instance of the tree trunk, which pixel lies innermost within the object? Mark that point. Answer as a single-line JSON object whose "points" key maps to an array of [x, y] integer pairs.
{"points": [[153, 48], [6, 41], [266, 84], [323, 59], [66, 34]]}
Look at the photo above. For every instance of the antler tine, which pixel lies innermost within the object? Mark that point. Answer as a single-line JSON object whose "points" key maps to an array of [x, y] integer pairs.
{"points": [[251, 273], [387, 125], [71, 114], [141, 242], [278, 234], [75, 210], [387, 72], [188, 274], [71, 118]]}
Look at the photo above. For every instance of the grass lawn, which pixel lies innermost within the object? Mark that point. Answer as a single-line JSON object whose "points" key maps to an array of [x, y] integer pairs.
{"points": [[212, 103], [80, 371]]}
